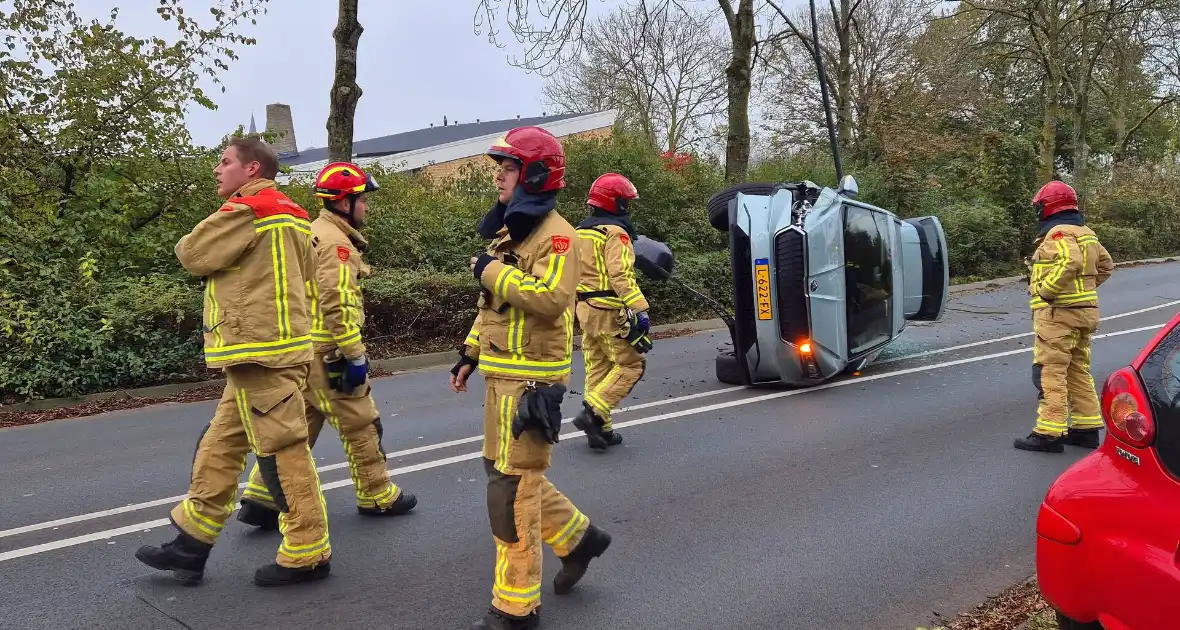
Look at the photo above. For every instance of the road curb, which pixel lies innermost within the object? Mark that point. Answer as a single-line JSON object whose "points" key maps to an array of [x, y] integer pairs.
{"points": [[411, 363], [396, 365]]}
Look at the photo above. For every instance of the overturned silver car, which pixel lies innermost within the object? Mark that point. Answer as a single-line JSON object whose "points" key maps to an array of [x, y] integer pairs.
{"points": [[822, 282]]}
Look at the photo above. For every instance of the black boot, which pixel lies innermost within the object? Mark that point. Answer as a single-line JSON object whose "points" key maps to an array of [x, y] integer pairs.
{"points": [[496, 620], [591, 425], [1085, 438], [573, 566], [258, 515], [185, 556], [612, 438], [275, 575], [404, 503], [1038, 442]]}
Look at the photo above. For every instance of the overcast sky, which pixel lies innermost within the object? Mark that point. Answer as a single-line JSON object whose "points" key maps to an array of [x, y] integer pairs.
{"points": [[416, 63]]}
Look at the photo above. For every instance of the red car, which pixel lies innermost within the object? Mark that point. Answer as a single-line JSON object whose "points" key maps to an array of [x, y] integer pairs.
{"points": [[1108, 532]]}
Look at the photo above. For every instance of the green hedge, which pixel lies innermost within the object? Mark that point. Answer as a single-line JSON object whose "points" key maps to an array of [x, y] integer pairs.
{"points": [[94, 300]]}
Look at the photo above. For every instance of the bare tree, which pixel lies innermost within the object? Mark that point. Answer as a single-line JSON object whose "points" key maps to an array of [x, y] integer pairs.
{"points": [[1066, 40], [664, 72], [1143, 68], [565, 24], [345, 91], [743, 40], [866, 43]]}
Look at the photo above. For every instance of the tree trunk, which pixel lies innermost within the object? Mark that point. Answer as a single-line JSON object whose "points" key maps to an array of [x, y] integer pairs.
{"points": [[737, 74], [844, 77], [345, 91], [1048, 148], [1080, 149]]}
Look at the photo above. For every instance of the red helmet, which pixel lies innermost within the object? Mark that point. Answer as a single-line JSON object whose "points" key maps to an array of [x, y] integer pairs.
{"points": [[542, 160], [341, 179], [611, 192], [1056, 196]]}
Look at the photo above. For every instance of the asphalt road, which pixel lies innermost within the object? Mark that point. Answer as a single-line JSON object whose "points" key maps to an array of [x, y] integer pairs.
{"points": [[871, 502]]}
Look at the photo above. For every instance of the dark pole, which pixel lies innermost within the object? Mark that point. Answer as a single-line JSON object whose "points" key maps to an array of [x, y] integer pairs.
{"points": [[823, 89]]}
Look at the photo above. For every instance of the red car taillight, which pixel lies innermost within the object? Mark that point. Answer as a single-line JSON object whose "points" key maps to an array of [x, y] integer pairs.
{"points": [[1126, 410]]}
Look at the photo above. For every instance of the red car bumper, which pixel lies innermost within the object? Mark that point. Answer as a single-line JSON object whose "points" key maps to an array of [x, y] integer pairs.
{"points": [[1108, 536]]}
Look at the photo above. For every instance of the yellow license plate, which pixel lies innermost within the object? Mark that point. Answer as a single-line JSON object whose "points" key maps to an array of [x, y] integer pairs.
{"points": [[762, 287]]}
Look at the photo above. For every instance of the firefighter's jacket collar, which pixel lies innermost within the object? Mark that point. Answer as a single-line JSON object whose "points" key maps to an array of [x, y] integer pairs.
{"points": [[253, 187], [358, 239], [1069, 217], [520, 215], [602, 217]]}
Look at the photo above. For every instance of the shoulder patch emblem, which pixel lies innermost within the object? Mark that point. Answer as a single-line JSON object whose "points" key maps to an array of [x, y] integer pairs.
{"points": [[561, 244], [1057, 235], [342, 254], [624, 238]]}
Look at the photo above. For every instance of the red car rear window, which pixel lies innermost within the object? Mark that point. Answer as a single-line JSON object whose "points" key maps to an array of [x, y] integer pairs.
{"points": [[1161, 377]]}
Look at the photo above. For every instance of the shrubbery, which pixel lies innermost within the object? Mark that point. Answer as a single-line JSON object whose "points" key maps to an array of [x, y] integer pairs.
{"points": [[95, 300]]}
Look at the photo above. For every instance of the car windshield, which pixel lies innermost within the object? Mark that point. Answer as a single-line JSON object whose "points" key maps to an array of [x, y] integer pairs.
{"points": [[1161, 376], [868, 276]]}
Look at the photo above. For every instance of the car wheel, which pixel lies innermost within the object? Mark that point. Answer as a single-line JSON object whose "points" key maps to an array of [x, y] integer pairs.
{"points": [[727, 369], [718, 204], [1065, 623]]}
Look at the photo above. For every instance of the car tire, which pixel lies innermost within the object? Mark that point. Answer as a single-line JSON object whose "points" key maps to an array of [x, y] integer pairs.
{"points": [[727, 369], [718, 205], [1065, 623]]}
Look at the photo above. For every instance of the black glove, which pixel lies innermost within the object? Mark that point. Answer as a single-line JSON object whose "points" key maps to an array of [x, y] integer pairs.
{"points": [[637, 333], [464, 360], [336, 370], [481, 263], [540, 409]]}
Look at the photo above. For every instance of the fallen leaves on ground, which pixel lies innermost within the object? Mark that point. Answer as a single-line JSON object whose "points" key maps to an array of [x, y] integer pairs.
{"points": [[121, 403], [1006, 611]]}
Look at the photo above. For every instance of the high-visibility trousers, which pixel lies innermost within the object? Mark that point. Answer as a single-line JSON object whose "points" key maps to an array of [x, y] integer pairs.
{"points": [[356, 420], [1061, 370], [523, 506], [261, 411], [613, 366]]}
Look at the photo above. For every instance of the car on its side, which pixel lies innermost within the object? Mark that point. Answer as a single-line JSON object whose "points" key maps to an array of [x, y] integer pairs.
{"points": [[1108, 530], [822, 282]]}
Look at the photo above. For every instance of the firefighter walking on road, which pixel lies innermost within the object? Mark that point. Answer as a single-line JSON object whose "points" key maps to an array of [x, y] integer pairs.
{"points": [[612, 310], [338, 390], [522, 343], [1067, 268], [254, 254]]}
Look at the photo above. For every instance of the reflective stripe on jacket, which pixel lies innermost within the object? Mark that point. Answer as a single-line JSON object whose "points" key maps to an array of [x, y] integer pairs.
{"points": [[525, 326], [608, 265], [255, 256], [338, 309], [1067, 268]]}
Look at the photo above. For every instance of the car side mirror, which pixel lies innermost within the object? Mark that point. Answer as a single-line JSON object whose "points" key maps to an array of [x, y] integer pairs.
{"points": [[653, 258], [848, 186]]}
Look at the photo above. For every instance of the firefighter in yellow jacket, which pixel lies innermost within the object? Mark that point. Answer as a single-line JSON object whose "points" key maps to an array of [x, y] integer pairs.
{"points": [[254, 254], [338, 389], [522, 343], [612, 310], [1066, 270]]}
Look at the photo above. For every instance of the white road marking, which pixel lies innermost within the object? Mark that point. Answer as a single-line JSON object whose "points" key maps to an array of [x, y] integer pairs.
{"points": [[477, 438], [394, 455], [101, 535], [1012, 337]]}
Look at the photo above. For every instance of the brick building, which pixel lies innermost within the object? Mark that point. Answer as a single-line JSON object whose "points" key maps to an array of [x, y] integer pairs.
{"points": [[439, 151]]}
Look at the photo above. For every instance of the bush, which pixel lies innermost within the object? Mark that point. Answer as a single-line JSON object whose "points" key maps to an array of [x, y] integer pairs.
{"points": [[981, 238], [94, 299]]}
